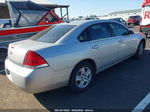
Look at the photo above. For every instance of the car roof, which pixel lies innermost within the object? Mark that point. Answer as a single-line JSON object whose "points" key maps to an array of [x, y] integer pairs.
{"points": [[78, 23]]}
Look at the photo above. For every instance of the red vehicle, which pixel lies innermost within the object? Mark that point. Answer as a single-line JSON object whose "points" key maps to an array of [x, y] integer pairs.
{"points": [[134, 20], [27, 19], [145, 21]]}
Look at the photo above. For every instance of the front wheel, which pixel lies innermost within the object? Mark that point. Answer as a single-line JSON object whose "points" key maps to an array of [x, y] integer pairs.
{"points": [[140, 50], [81, 77]]}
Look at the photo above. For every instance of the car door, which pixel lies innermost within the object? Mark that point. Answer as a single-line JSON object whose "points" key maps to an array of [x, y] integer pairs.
{"points": [[104, 46], [125, 39]]}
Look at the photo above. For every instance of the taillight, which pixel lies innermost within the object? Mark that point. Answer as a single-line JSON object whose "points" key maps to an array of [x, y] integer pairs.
{"points": [[34, 60]]}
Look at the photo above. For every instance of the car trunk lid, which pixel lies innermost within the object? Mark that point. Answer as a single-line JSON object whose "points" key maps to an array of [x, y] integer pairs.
{"points": [[18, 50]]}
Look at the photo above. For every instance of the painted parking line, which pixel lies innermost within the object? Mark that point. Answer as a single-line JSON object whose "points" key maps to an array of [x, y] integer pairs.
{"points": [[143, 104]]}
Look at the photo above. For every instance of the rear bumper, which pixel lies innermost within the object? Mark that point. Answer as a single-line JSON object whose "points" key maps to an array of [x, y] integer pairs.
{"points": [[35, 80]]}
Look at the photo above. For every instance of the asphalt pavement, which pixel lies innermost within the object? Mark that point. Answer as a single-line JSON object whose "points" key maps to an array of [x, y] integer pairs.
{"points": [[121, 87]]}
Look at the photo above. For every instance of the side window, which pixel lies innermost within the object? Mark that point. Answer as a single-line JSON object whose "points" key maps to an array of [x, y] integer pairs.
{"points": [[85, 36], [50, 18], [118, 30], [99, 31]]}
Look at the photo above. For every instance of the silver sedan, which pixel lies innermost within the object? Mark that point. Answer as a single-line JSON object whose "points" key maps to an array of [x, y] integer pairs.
{"points": [[70, 54]]}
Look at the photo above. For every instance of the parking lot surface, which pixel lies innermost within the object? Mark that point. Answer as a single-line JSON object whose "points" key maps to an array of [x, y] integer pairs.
{"points": [[120, 87]]}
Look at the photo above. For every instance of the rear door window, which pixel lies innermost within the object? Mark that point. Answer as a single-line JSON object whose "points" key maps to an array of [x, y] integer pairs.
{"points": [[117, 29], [99, 31]]}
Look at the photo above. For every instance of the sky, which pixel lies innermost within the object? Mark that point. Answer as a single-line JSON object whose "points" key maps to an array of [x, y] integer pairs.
{"points": [[98, 7]]}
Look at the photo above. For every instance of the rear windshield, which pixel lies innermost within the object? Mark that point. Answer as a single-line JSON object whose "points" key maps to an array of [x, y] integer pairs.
{"points": [[52, 34], [134, 17]]}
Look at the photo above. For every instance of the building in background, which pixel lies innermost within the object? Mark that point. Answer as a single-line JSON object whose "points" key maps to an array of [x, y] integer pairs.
{"points": [[122, 14]]}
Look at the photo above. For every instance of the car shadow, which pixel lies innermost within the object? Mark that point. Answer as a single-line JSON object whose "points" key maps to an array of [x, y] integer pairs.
{"points": [[119, 87]]}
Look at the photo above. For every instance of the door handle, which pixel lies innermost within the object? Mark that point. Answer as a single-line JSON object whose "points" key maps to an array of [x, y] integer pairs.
{"points": [[95, 47]]}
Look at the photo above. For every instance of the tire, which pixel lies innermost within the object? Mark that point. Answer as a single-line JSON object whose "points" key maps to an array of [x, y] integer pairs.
{"points": [[81, 77], [140, 50], [3, 55]]}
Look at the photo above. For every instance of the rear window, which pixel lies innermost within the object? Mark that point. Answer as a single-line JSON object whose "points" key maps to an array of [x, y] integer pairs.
{"points": [[131, 17], [52, 34], [134, 17], [138, 17]]}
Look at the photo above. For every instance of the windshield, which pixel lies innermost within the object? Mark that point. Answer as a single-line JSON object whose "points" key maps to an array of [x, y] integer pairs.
{"points": [[134, 17], [131, 17], [25, 13], [30, 17], [52, 34]]}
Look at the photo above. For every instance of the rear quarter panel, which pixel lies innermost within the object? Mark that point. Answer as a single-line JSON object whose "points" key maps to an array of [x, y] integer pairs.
{"points": [[65, 56], [136, 40]]}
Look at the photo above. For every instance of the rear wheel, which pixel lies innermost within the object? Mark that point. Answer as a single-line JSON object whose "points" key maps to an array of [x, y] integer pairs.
{"points": [[140, 50], [81, 77], [3, 55]]}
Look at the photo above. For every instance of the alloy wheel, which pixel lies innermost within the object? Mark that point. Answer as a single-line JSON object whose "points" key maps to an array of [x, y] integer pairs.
{"points": [[83, 77]]}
